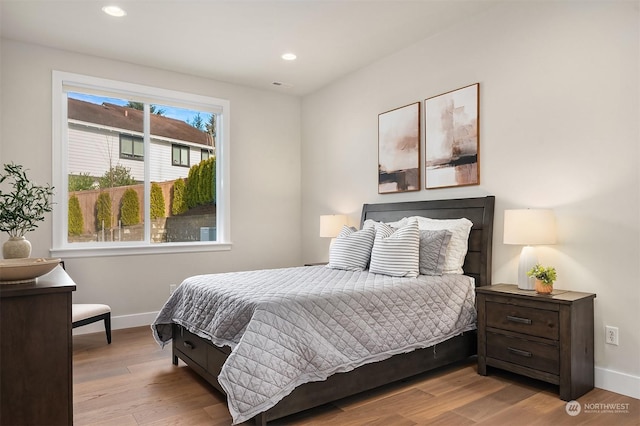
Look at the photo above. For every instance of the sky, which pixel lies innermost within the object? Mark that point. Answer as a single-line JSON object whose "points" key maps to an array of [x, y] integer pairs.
{"points": [[185, 115]]}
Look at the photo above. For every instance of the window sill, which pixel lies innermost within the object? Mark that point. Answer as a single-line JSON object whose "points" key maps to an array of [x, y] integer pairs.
{"points": [[84, 250]]}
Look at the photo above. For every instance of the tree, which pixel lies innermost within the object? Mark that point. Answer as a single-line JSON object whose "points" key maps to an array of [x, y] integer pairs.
{"points": [[153, 109], [212, 128], [103, 211], [157, 201], [201, 182], [81, 182], [197, 122], [75, 218], [179, 205], [130, 208], [116, 176], [207, 181], [191, 188]]}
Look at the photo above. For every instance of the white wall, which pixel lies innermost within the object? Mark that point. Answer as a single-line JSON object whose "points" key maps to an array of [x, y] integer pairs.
{"points": [[265, 176], [559, 114]]}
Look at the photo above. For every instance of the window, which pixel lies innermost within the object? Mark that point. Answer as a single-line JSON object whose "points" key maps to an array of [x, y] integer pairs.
{"points": [[131, 147], [205, 154], [115, 146], [180, 155]]}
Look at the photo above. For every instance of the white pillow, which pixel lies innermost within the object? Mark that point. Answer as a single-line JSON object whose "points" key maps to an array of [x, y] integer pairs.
{"points": [[459, 243], [352, 249], [396, 251]]}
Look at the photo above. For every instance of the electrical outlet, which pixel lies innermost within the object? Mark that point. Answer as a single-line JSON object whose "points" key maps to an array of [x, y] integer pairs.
{"points": [[611, 335], [172, 288]]}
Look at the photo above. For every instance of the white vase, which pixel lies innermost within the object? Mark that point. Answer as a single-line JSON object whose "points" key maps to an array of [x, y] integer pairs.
{"points": [[16, 248]]}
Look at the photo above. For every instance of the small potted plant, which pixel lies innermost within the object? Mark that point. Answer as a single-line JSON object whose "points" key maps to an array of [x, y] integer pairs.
{"points": [[21, 209], [545, 276]]}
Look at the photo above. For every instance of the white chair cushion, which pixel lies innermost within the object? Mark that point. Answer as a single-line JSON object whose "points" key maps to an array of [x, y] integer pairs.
{"points": [[80, 311]]}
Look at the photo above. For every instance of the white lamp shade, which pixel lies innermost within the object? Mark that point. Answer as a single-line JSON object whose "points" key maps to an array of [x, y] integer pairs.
{"points": [[331, 224], [529, 227]]}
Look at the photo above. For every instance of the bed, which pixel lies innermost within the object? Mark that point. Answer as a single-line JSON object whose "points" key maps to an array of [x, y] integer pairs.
{"points": [[186, 319]]}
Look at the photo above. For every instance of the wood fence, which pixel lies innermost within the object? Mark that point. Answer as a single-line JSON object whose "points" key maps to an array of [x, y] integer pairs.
{"points": [[88, 200]]}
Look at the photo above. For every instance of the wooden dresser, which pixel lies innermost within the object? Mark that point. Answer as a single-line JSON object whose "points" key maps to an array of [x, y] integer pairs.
{"points": [[36, 351], [546, 337]]}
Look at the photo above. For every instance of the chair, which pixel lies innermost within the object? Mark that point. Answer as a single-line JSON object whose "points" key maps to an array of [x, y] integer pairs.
{"points": [[87, 313]]}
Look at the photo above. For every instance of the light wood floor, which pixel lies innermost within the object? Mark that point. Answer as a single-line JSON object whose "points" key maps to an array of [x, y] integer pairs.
{"points": [[132, 382]]}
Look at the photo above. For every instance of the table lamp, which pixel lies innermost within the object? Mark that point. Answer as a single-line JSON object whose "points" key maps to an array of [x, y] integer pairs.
{"points": [[331, 225], [528, 227]]}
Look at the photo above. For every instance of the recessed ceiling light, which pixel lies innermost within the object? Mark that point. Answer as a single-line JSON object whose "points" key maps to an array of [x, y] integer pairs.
{"points": [[289, 56], [114, 11]]}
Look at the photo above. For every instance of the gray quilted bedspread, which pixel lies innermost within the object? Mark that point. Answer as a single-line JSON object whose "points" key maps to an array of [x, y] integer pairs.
{"points": [[290, 326]]}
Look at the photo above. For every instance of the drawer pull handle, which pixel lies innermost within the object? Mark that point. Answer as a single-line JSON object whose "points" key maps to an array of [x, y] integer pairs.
{"points": [[519, 320], [188, 344], [519, 352]]}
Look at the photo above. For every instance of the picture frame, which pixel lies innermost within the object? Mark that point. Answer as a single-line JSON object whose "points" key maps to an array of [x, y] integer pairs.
{"points": [[399, 149], [452, 138]]}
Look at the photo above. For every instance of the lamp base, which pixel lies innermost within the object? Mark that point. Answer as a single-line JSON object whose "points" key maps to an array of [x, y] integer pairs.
{"points": [[528, 259]]}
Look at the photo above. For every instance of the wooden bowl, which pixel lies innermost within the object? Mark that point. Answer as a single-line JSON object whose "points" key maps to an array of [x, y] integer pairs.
{"points": [[16, 271]]}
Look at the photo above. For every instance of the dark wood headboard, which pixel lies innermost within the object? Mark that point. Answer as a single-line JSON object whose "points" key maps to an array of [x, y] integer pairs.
{"points": [[477, 264]]}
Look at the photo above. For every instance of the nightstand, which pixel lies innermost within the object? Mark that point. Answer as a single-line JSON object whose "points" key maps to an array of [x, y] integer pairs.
{"points": [[546, 337]]}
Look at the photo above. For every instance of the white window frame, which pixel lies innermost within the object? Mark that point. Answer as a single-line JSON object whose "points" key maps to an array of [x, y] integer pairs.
{"points": [[63, 82]]}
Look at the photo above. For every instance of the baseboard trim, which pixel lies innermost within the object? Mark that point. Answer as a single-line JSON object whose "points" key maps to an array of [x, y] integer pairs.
{"points": [[119, 322], [617, 382]]}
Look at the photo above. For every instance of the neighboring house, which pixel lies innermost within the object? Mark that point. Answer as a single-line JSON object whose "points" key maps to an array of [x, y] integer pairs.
{"points": [[103, 136]]}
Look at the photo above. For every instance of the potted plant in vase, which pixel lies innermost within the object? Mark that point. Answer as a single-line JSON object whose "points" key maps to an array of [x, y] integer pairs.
{"points": [[21, 209], [545, 276]]}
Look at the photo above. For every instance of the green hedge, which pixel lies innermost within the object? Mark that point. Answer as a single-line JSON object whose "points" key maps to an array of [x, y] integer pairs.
{"points": [[130, 208], [201, 184], [103, 211], [157, 201], [179, 204], [76, 221]]}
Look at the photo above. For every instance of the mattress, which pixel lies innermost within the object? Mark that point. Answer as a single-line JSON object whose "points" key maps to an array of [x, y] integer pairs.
{"points": [[291, 326]]}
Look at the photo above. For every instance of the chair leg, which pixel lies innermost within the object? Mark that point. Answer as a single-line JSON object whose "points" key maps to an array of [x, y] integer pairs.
{"points": [[107, 327]]}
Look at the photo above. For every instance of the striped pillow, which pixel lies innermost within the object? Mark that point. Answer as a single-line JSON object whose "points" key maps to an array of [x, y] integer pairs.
{"points": [[352, 249], [396, 252]]}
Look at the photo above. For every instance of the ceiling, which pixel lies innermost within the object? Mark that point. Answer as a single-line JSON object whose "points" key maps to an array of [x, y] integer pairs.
{"points": [[237, 41]]}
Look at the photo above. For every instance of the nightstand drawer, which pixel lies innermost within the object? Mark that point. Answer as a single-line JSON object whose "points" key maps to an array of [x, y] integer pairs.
{"points": [[521, 319], [538, 356]]}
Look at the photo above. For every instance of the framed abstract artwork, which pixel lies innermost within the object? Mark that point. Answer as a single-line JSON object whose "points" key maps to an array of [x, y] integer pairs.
{"points": [[399, 150], [452, 138]]}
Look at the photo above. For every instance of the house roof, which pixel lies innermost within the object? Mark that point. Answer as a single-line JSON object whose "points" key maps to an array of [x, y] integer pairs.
{"points": [[121, 117]]}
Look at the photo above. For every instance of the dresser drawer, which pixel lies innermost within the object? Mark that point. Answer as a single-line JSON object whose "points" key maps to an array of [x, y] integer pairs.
{"points": [[538, 356], [521, 319], [192, 346]]}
